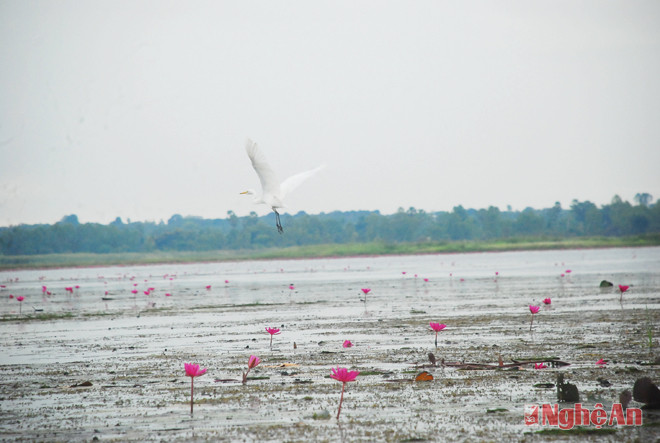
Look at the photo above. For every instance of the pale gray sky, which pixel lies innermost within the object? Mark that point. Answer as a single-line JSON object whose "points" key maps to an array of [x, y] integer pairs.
{"points": [[141, 109]]}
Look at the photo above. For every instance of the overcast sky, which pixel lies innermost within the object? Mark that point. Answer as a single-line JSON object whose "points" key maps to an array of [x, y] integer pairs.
{"points": [[141, 109]]}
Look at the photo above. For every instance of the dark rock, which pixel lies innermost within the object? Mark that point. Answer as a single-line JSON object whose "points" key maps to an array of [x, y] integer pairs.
{"points": [[645, 391], [606, 284], [566, 392], [624, 398]]}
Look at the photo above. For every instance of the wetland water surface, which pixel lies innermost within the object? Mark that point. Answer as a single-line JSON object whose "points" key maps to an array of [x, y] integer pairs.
{"points": [[129, 348]]}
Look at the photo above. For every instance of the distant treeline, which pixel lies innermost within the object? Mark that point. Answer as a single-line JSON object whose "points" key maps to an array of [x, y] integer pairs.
{"points": [[583, 219]]}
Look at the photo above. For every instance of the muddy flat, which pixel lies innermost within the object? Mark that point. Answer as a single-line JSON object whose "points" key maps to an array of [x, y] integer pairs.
{"points": [[104, 359]]}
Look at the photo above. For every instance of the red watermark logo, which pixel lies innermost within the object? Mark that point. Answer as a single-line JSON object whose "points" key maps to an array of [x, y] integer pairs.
{"points": [[567, 418]]}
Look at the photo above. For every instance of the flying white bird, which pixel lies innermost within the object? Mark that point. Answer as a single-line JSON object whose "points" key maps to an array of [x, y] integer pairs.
{"points": [[273, 192]]}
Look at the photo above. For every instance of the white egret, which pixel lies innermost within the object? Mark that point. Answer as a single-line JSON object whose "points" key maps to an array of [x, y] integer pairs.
{"points": [[273, 192]]}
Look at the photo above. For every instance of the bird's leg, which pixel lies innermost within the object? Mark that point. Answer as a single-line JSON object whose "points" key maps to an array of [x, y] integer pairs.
{"points": [[277, 221]]}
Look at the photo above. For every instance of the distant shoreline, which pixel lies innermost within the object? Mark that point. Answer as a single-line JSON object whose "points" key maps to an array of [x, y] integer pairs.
{"points": [[74, 260]]}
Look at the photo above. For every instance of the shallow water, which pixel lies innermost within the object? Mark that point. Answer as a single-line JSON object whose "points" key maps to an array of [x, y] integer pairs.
{"points": [[132, 347]]}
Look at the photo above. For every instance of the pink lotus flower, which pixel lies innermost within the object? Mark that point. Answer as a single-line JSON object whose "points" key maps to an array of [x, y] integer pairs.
{"points": [[426, 280], [272, 331], [622, 289], [291, 287], [252, 363], [547, 301], [347, 344], [208, 287], [226, 281], [601, 362], [20, 298], [192, 371], [568, 271], [344, 376], [533, 310], [540, 366], [437, 327], [167, 294], [134, 291]]}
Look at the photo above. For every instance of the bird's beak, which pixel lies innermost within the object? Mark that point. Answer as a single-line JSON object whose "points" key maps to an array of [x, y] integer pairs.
{"points": [[244, 192]]}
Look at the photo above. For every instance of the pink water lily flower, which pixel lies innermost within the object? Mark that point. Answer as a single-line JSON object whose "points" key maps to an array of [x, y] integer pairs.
{"points": [[344, 376], [347, 344], [20, 298], [533, 310], [622, 289], [365, 291], [540, 366], [601, 362], [252, 363], [192, 371], [437, 327], [547, 301], [272, 331]]}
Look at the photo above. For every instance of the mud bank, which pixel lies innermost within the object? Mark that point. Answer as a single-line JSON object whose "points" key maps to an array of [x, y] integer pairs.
{"points": [[102, 363]]}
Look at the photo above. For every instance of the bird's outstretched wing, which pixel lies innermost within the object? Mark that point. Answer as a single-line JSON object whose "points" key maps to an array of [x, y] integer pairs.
{"points": [[294, 181], [269, 182]]}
